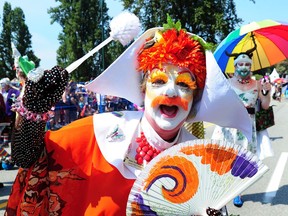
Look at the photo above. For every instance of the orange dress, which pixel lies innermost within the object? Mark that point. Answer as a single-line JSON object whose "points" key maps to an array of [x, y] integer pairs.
{"points": [[68, 178]]}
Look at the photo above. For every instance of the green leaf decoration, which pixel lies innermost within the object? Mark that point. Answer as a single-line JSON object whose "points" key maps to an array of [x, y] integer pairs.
{"points": [[171, 24], [205, 45]]}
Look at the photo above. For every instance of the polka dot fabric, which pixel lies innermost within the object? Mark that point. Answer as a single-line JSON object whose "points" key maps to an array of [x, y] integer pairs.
{"points": [[28, 139], [41, 96], [28, 142]]}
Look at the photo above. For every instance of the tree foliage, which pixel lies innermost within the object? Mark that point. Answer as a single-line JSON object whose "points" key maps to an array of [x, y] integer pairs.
{"points": [[210, 19], [14, 30], [282, 68], [85, 25]]}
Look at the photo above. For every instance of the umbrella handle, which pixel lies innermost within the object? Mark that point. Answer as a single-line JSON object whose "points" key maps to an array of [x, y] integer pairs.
{"points": [[255, 48]]}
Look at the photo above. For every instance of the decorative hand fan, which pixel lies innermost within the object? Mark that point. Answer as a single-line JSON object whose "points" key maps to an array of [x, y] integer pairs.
{"points": [[192, 176]]}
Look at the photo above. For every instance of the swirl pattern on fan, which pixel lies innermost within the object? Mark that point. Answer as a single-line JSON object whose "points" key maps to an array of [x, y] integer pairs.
{"points": [[192, 176]]}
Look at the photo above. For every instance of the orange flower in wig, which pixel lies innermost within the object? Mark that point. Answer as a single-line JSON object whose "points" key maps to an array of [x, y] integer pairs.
{"points": [[175, 47]]}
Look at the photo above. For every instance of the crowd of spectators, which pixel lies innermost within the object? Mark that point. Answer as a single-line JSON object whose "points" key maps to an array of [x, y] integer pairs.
{"points": [[78, 102]]}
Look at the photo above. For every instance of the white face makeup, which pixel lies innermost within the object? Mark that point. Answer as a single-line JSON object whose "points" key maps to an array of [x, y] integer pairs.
{"points": [[243, 66], [169, 96], [243, 69]]}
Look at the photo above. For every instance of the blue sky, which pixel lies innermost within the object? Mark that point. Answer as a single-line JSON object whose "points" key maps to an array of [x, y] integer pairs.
{"points": [[44, 35]]}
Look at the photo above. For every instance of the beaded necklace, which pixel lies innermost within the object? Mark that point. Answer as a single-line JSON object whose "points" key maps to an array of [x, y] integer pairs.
{"points": [[243, 81], [144, 151]]}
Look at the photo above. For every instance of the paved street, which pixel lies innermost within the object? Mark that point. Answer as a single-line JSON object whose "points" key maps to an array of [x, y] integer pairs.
{"points": [[266, 197]]}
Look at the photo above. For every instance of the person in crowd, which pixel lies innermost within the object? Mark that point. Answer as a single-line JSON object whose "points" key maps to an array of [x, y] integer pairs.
{"points": [[88, 111], [89, 166], [3, 119], [3, 156], [102, 102], [109, 103], [116, 103], [123, 104], [57, 120], [81, 104], [278, 89], [92, 100], [74, 107], [252, 93], [277, 95], [112, 103], [11, 94], [71, 100]]}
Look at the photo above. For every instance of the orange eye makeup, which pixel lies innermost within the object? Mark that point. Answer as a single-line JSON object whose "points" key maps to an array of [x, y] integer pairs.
{"points": [[157, 76], [186, 79]]}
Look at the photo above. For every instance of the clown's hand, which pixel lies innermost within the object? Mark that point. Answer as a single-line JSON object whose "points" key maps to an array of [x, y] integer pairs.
{"points": [[40, 96]]}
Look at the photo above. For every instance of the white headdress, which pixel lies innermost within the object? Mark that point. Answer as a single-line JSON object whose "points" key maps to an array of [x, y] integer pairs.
{"points": [[219, 103]]}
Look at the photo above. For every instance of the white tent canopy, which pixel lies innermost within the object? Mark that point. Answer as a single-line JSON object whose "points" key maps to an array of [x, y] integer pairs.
{"points": [[274, 75]]}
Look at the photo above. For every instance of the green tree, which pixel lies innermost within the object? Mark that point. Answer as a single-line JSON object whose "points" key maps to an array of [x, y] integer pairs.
{"points": [[282, 67], [6, 61], [21, 36], [82, 23], [14, 30], [211, 19]]}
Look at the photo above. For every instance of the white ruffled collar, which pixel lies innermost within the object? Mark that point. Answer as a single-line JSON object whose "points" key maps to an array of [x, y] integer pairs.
{"points": [[120, 152]]}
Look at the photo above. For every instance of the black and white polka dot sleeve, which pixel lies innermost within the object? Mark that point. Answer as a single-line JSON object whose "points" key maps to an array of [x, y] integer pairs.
{"points": [[38, 98]]}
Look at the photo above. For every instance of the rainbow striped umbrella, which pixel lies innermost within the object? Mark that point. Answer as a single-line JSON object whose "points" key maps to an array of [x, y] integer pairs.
{"points": [[271, 38]]}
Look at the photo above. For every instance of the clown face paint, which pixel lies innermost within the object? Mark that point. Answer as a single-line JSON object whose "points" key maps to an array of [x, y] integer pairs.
{"points": [[169, 96], [243, 69]]}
